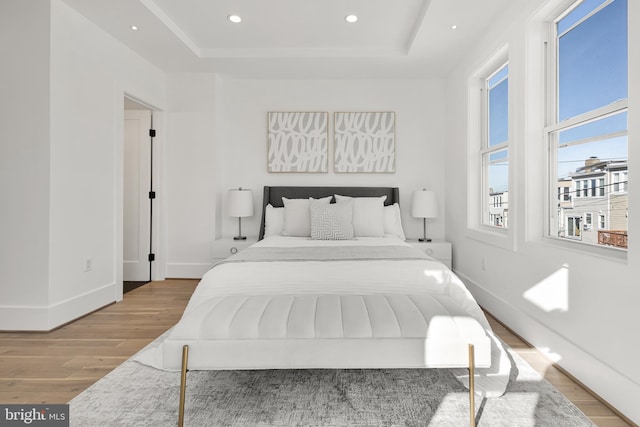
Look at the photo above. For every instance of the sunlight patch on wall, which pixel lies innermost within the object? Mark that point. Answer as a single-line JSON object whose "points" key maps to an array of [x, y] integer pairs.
{"points": [[552, 293]]}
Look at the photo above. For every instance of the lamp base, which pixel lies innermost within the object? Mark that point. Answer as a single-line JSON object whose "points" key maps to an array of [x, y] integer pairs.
{"points": [[424, 240], [240, 238]]}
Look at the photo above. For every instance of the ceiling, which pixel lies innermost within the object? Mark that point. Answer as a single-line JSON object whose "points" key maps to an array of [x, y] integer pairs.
{"points": [[298, 38]]}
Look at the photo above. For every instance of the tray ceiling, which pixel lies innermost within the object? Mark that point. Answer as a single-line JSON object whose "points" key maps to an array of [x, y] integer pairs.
{"points": [[298, 38]]}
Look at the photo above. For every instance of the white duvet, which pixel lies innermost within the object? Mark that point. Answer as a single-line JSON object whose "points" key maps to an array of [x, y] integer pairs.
{"points": [[343, 280]]}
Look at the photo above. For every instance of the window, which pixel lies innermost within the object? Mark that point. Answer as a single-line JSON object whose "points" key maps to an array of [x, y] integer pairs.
{"points": [[495, 151], [619, 182], [588, 221], [564, 194], [587, 117], [601, 187]]}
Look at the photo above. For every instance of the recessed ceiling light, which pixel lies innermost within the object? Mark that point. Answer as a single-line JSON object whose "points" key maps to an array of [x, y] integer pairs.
{"points": [[453, 27], [351, 18], [134, 28], [235, 19]]}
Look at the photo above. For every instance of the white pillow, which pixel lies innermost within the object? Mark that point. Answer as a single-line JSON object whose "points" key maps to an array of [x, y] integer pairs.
{"points": [[331, 222], [368, 215], [273, 221], [393, 221], [297, 216]]}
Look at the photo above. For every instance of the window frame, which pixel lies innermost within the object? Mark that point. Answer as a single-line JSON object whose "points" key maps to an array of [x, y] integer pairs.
{"points": [[553, 127], [602, 222], [486, 149], [500, 237]]}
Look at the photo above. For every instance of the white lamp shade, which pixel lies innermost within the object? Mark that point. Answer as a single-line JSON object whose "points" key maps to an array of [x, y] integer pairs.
{"points": [[240, 203], [424, 204]]}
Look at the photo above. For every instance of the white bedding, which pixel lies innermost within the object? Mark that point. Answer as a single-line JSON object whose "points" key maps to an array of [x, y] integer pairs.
{"points": [[335, 314]]}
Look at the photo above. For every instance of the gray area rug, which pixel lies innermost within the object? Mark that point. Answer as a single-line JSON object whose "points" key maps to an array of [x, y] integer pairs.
{"points": [[137, 395]]}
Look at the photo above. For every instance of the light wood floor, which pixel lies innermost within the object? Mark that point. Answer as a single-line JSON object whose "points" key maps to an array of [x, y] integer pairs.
{"points": [[56, 366]]}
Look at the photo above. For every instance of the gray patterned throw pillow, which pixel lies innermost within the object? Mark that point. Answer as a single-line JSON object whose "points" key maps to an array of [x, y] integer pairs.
{"points": [[331, 222]]}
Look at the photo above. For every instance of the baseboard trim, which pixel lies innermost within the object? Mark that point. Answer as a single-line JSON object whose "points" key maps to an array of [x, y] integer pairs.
{"points": [[24, 318], [568, 374], [607, 384], [185, 270], [73, 308], [44, 319]]}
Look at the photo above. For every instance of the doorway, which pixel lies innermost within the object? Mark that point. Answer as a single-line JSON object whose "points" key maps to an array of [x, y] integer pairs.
{"points": [[138, 195]]}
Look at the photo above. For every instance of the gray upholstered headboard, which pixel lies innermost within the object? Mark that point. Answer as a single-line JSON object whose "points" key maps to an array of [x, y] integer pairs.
{"points": [[274, 195]]}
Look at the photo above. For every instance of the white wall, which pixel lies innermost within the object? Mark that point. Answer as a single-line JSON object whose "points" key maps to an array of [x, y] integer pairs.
{"points": [[190, 174], [24, 157], [65, 159], [242, 138], [595, 338], [89, 71]]}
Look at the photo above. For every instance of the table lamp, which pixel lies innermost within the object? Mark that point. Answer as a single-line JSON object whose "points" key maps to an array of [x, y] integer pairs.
{"points": [[424, 205], [240, 205]]}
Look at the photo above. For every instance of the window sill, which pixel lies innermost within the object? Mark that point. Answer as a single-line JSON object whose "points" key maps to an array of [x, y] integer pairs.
{"points": [[603, 252]]}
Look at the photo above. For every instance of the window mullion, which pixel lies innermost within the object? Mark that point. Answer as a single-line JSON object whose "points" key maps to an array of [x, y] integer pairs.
{"points": [[495, 148], [607, 110]]}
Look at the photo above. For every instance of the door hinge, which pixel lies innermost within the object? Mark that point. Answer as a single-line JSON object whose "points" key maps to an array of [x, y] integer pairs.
{"points": [[152, 194], [152, 133], [152, 257]]}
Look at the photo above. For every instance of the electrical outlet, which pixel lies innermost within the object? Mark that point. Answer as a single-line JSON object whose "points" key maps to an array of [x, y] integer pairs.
{"points": [[88, 264]]}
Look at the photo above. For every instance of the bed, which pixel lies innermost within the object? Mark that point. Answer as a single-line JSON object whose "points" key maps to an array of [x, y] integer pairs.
{"points": [[360, 301]]}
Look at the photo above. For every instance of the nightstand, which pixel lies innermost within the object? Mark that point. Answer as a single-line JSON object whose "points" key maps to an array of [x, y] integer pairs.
{"points": [[438, 249], [226, 246]]}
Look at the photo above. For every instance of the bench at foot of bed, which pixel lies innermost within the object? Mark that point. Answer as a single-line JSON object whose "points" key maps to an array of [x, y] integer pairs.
{"points": [[471, 367]]}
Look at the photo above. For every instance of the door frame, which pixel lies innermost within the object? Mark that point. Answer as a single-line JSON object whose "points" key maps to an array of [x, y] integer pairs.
{"points": [[137, 159], [158, 270]]}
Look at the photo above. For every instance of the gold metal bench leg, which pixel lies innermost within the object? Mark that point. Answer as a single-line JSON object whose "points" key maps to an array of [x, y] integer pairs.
{"points": [[472, 404], [183, 384]]}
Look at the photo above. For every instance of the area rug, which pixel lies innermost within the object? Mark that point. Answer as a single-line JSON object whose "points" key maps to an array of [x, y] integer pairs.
{"points": [[137, 395]]}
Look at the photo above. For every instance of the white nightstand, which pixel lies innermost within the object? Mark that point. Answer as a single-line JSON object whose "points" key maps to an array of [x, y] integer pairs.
{"points": [[438, 249], [226, 246]]}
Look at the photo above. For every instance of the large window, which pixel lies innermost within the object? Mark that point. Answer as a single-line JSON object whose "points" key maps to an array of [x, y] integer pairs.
{"points": [[495, 149], [587, 123]]}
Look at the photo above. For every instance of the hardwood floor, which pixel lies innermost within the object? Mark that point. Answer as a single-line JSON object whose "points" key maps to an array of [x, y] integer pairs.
{"points": [[56, 366]]}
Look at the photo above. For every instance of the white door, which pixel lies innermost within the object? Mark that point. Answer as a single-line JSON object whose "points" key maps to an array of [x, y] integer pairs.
{"points": [[137, 176]]}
